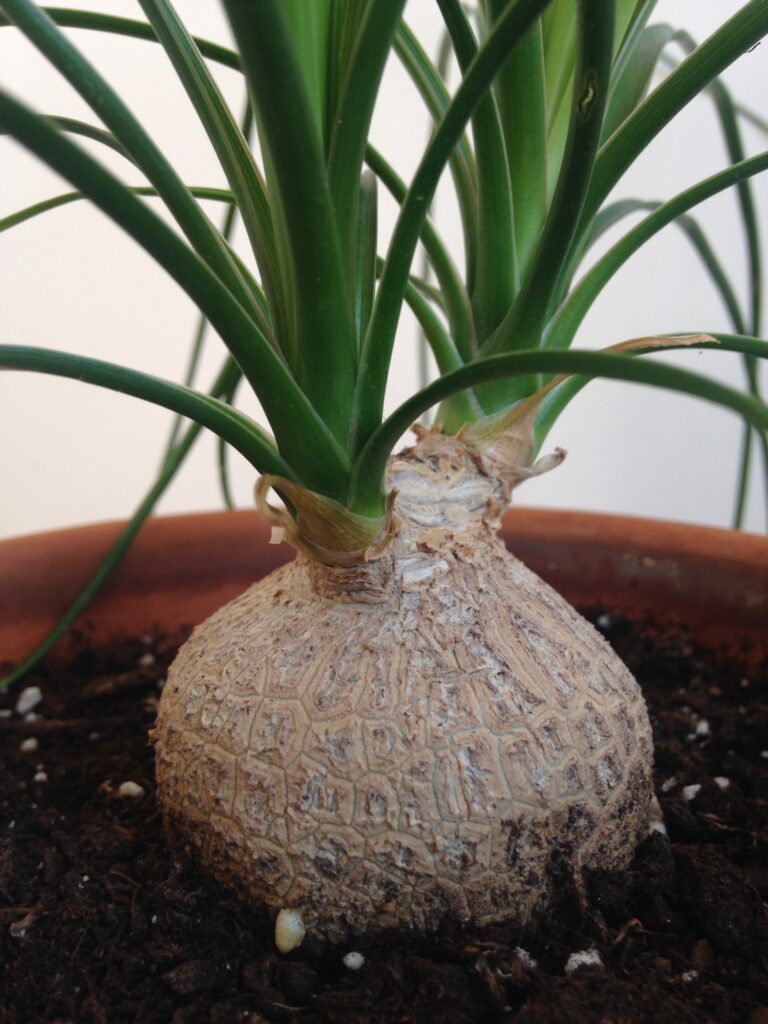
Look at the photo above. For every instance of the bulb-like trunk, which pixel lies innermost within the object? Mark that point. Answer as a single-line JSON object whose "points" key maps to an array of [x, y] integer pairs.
{"points": [[417, 737]]}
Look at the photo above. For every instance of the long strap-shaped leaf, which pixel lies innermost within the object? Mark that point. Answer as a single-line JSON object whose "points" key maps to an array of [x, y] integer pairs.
{"points": [[11, 220], [96, 21], [259, 311], [457, 302], [365, 492], [496, 272], [296, 171], [740, 33], [302, 436], [611, 215], [432, 89], [349, 133], [379, 340], [521, 98], [235, 427], [227, 140], [225, 380], [105, 102], [523, 325], [565, 324]]}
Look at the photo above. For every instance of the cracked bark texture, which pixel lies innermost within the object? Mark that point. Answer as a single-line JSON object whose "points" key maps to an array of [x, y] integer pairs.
{"points": [[423, 736]]}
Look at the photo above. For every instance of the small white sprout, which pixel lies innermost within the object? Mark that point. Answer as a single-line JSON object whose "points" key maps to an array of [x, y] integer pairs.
{"points": [[131, 789], [691, 792], [525, 958], [702, 727], [29, 745], [354, 961], [28, 698], [722, 781], [40, 777], [690, 975], [583, 958], [289, 930]]}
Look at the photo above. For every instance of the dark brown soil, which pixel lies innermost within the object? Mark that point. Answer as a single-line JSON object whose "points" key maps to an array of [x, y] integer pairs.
{"points": [[99, 922]]}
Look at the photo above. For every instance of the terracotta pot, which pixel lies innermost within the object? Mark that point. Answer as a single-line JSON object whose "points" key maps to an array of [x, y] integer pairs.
{"points": [[181, 568]]}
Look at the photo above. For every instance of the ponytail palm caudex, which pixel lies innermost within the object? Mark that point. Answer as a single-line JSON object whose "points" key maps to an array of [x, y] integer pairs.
{"points": [[403, 724]]}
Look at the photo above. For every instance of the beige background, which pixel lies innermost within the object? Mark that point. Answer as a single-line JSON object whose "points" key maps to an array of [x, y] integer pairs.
{"points": [[72, 454]]}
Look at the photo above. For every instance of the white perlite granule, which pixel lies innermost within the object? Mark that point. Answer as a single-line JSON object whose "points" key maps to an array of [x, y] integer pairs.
{"points": [[583, 958], [28, 698], [131, 789], [691, 792], [354, 961], [526, 959], [29, 745]]}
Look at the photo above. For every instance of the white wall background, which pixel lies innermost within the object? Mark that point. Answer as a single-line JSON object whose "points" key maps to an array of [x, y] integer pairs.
{"points": [[73, 454]]}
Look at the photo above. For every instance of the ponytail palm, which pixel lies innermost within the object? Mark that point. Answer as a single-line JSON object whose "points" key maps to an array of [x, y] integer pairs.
{"points": [[552, 108]]}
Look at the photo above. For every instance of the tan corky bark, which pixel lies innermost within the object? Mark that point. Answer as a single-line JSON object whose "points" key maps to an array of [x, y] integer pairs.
{"points": [[418, 737]]}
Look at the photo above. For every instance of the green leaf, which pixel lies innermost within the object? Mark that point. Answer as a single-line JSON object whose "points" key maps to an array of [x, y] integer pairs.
{"points": [[364, 280], [727, 114], [525, 321], [563, 328], [457, 302], [555, 402], [728, 43], [521, 98], [228, 142], [309, 26], [366, 495], [377, 347], [611, 215], [432, 90], [237, 429], [631, 84], [67, 17], [11, 220], [229, 373], [302, 436], [299, 190], [357, 96], [198, 339], [105, 102], [496, 276], [346, 20]]}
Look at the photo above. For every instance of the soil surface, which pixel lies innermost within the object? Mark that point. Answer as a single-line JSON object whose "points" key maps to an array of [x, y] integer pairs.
{"points": [[100, 922]]}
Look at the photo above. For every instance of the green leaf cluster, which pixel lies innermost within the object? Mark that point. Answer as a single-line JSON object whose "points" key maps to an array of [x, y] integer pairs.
{"points": [[554, 102]]}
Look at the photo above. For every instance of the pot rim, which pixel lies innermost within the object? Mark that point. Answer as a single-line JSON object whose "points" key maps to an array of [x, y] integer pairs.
{"points": [[181, 567]]}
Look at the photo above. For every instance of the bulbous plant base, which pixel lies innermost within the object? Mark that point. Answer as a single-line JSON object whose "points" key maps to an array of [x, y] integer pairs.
{"points": [[420, 737]]}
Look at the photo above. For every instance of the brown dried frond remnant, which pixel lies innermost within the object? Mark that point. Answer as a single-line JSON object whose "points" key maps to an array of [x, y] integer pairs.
{"points": [[417, 737]]}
